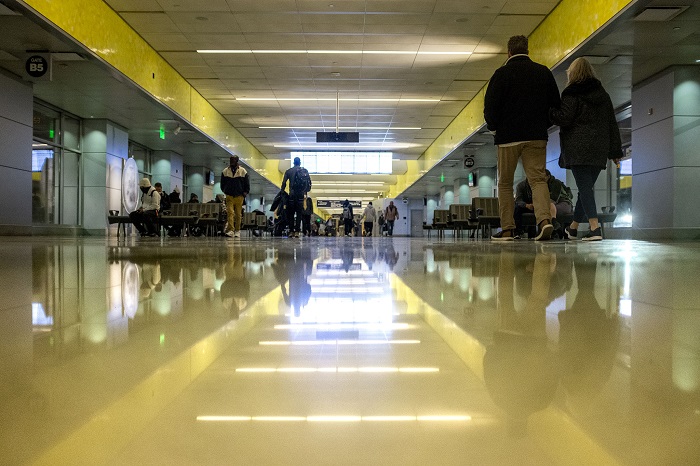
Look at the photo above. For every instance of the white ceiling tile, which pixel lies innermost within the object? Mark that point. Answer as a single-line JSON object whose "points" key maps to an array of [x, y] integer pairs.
{"points": [[339, 6], [205, 22], [220, 41], [168, 41], [402, 6], [470, 6], [134, 5], [184, 58], [150, 22], [194, 5], [537, 7], [268, 6]]}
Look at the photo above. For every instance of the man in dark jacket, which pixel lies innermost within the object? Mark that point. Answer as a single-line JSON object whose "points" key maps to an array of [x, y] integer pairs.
{"points": [[295, 204], [561, 202], [236, 185], [516, 109]]}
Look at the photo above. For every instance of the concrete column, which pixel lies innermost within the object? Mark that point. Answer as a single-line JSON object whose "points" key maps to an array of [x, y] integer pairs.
{"points": [[105, 147], [665, 162], [16, 108], [447, 197], [430, 209], [486, 182], [461, 191], [166, 168]]}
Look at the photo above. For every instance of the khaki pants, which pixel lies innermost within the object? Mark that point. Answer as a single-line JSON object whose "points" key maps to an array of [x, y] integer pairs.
{"points": [[534, 156], [234, 212]]}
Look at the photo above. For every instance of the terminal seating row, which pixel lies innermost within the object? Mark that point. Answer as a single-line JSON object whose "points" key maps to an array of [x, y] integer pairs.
{"points": [[482, 215], [192, 218]]}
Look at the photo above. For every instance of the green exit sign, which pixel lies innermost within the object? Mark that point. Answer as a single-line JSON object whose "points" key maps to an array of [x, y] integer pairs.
{"points": [[162, 133]]}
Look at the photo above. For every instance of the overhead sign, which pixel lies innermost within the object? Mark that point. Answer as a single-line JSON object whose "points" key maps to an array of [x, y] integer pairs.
{"points": [[38, 67], [468, 162], [330, 204]]}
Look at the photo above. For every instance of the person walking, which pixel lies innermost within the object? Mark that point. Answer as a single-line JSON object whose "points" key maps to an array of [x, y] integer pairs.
{"points": [[589, 137], [235, 183], [391, 213], [369, 215], [306, 216], [299, 184], [516, 109], [348, 217]]}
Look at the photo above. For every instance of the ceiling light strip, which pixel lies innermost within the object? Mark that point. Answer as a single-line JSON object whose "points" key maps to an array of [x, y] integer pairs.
{"points": [[366, 370], [362, 128], [337, 342], [331, 52], [326, 99], [429, 418]]}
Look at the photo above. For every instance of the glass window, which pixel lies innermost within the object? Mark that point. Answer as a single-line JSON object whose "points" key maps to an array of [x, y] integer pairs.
{"points": [[43, 183], [71, 133], [47, 124]]}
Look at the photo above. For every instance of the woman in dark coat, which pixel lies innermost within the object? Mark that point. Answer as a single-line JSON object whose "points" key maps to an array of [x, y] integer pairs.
{"points": [[589, 137]]}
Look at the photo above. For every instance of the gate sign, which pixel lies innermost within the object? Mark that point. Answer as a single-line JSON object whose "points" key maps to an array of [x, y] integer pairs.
{"points": [[38, 67], [468, 162], [330, 204]]}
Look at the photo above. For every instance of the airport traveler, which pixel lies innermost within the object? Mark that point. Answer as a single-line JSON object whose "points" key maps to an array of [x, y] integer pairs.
{"points": [[194, 199], [516, 110], [174, 197], [306, 216], [589, 137], [391, 213], [299, 184], [235, 183], [144, 218], [164, 200], [369, 216], [560, 202], [347, 217]]}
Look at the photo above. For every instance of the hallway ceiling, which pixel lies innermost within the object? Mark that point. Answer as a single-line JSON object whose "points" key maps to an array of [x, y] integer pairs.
{"points": [[417, 89]]}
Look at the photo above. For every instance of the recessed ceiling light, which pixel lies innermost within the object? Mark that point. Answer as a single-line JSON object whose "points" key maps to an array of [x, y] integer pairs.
{"points": [[202, 18]]}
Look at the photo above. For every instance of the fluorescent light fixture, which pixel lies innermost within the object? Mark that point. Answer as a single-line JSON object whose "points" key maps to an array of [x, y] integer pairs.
{"points": [[268, 370], [362, 145], [325, 99], [434, 418], [358, 128], [337, 342], [341, 326], [332, 52]]}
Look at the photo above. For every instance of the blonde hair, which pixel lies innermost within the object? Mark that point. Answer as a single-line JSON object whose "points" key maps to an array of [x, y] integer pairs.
{"points": [[580, 70]]}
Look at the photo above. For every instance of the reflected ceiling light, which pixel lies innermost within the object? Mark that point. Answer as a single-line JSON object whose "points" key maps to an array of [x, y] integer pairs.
{"points": [[359, 128], [343, 326], [332, 52], [337, 342], [322, 99], [436, 418], [408, 370]]}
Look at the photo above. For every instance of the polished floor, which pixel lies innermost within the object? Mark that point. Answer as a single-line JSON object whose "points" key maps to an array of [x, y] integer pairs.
{"points": [[348, 351]]}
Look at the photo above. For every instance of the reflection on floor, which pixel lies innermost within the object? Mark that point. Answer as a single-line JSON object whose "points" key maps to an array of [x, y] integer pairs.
{"points": [[348, 351]]}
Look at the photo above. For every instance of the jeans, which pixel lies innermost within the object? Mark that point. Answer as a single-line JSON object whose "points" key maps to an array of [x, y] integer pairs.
{"points": [[294, 206], [390, 227], [368, 228], [144, 221], [585, 177]]}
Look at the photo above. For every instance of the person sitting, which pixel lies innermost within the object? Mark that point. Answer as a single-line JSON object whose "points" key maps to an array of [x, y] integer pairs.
{"points": [[194, 199], [560, 202], [174, 196], [144, 217], [164, 200]]}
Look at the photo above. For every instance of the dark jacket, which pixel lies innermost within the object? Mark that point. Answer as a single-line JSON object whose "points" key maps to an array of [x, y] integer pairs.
{"points": [[235, 183], [518, 99], [589, 133], [289, 177], [174, 198], [558, 192]]}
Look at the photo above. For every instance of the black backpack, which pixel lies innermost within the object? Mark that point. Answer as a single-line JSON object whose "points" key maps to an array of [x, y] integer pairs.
{"points": [[301, 183]]}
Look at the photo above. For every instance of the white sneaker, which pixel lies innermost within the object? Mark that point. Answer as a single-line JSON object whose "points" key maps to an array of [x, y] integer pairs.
{"points": [[230, 234], [237, 234]]}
